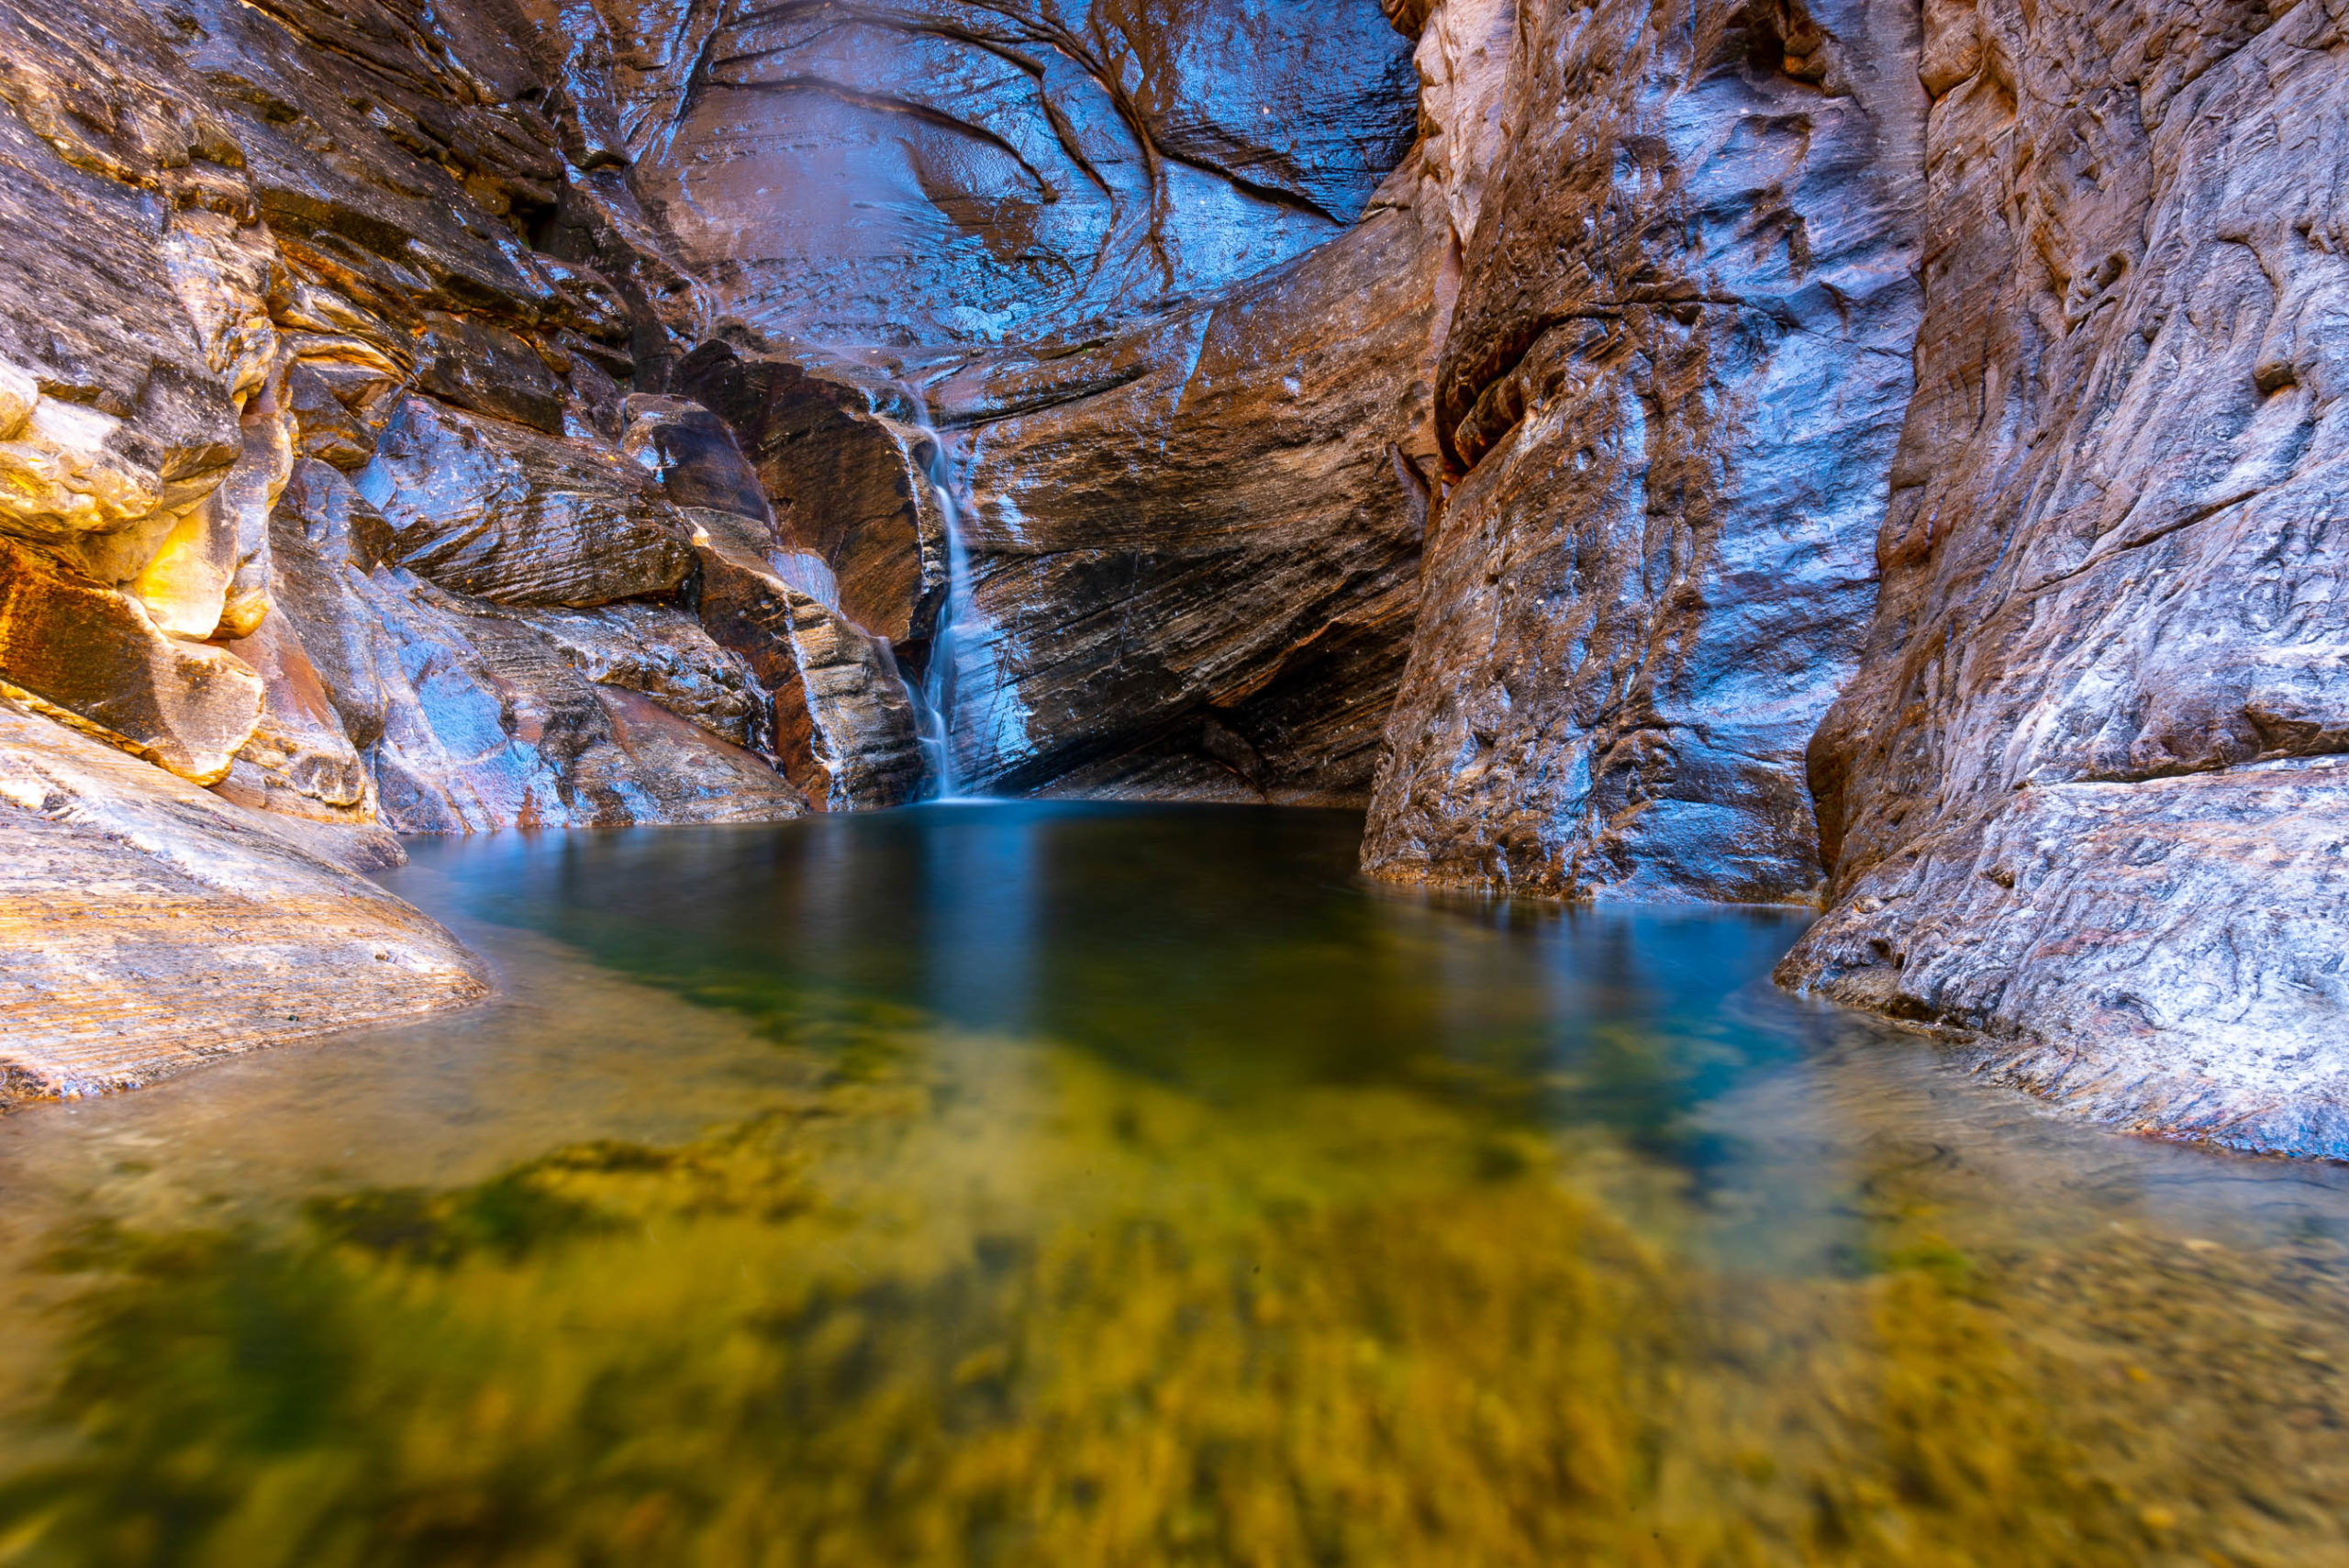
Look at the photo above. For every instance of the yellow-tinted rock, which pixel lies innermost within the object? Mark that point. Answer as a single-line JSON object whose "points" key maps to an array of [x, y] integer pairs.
{"points": [[95, 655], [146, 925]]}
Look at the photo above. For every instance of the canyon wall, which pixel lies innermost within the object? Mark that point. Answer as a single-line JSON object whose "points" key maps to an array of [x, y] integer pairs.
{"points": [[2075, 797], [1846, 451], [2082, 799], [454, 418], [1667, 403]]}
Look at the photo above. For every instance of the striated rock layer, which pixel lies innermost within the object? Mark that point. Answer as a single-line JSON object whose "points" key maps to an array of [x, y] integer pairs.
{"points": [[1194, 548], [146, 925], [2082, 799]]}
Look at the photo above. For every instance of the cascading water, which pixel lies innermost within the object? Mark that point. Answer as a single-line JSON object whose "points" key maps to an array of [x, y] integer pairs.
{"points": [[942, 679]]}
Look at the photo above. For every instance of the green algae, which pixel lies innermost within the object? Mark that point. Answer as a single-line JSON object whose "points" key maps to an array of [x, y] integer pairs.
{"points": [[953, 1294]]}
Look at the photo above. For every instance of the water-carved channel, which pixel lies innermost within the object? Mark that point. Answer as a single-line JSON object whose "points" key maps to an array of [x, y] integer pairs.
{"points": [[1035, 1184]]}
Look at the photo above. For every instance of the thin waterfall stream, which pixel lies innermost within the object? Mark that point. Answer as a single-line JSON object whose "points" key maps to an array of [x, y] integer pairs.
{"points": [[942, 685]]}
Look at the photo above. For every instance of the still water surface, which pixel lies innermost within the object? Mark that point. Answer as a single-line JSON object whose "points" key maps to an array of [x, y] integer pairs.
{"points": [[1090, 1184]]}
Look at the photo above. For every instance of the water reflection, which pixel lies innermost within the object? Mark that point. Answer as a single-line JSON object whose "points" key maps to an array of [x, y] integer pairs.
{"points": [[1035, 1184]]}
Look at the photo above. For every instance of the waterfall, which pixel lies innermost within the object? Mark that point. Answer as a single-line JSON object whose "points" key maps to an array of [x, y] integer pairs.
{"points": [[941, 679]]}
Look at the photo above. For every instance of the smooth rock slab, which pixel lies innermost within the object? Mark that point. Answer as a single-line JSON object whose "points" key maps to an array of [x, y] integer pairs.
{"points": [[147, 926]]}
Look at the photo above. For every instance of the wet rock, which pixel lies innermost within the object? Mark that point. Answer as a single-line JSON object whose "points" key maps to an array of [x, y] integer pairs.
{"points": [[928, 171], [499, 511], [1674, 379], [2079, 798], [846, 484], [324, 428], [1194, 548], [692, 453], [472, 716], [147, 925], [489, 725], [93, 656], [845, 730], [480, 366]]}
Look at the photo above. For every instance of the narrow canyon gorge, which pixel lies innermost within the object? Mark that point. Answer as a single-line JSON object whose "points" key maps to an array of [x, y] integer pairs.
{"points": [[1863, 455]]}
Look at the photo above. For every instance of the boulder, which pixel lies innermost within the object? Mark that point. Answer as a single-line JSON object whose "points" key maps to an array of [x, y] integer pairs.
{"points": [[489, 725], [691, 451], [474, 716], [299, 758]]}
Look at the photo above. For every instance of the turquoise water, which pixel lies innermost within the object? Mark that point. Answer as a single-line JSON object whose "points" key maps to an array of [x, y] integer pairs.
{"points": [[1087, 1184]]}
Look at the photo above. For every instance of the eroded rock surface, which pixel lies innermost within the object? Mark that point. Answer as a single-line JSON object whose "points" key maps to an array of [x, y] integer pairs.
{"points": [[1673, 380], [1194, 548], [147, 925], [916, 172], [2082, 800]]}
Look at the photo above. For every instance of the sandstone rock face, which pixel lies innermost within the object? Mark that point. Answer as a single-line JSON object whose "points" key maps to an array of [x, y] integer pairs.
{"points": [[1194, 548], [2082, 800], [496, 510], [146, 925], [844, 728], [94, 656], [848, 484], [932, 170], [473, 714], [1673, 380]]}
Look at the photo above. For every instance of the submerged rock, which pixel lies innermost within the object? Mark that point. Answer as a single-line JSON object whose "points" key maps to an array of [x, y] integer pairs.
{"points": [[147, 926]]}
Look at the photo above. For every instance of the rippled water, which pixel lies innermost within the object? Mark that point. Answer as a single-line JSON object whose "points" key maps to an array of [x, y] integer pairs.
{"points": [[1084, 1184]]}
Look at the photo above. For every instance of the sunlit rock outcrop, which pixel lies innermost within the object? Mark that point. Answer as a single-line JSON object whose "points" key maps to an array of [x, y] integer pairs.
{"points": [[2082, 799], [146, 925], [1669, 398]]}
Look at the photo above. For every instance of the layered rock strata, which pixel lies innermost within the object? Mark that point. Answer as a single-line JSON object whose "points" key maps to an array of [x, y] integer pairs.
{"points": [[925, 172], [1194, 548], [2082, 799], [147, 925]]}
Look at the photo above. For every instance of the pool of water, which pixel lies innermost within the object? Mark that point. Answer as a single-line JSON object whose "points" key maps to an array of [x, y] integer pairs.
{"points": [[1076, 1184]]}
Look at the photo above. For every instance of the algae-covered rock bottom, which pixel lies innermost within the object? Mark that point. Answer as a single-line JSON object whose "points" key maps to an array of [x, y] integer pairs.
{"points": [[1134, 1186]]}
